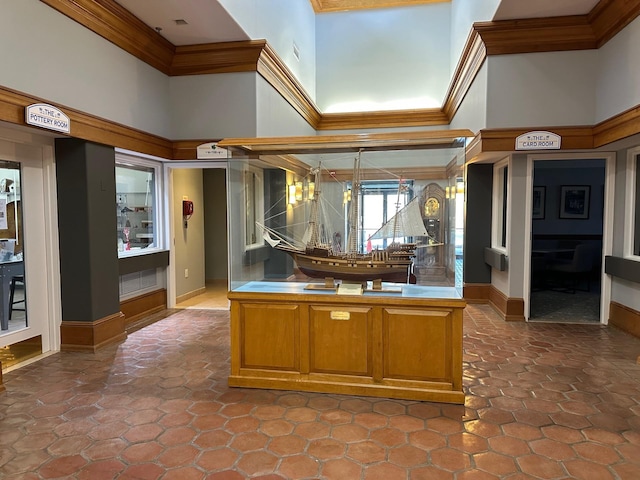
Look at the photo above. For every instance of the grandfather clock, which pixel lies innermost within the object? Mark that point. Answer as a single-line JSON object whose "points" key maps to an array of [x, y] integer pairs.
{"points": [[430, 265]]}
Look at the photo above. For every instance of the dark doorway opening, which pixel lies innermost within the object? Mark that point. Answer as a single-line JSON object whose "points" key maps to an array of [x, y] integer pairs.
{"points": [[566, 253]]}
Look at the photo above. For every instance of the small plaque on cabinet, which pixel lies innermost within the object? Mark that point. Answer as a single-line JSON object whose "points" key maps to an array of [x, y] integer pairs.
{"points": [[350, 289], [338, 315]]}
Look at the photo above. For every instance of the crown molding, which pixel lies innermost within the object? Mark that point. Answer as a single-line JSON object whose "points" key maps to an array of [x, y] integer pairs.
{"points": [[114, 23], [471, 60], [324, 6], [274, 71], [224, 57], [618, 127], [414, 173], [186, 149], [108, 19], [383, 119], [504, 139], [95, 129], [536, 35], [609, 17]]}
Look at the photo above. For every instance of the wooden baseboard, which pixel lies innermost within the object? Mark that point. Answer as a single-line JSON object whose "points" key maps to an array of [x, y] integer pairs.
{"points": [[136, 308], [625, 318], [91, 336], [189, 295], [510, 309], [476, 292]]}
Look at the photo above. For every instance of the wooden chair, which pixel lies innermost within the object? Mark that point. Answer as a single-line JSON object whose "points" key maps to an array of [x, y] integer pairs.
{"points": [[16, 279], [572, 272]]}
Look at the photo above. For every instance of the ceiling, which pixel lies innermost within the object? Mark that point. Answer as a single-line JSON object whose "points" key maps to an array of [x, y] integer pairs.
{"points": [[208, 22]]}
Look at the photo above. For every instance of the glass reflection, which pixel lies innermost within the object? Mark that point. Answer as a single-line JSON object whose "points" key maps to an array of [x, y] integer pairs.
{"points": [[13, 302]]}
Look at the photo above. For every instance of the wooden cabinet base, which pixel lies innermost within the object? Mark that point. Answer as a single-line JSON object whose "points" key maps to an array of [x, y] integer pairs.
{"points": [[381, 346], [346, 387]]}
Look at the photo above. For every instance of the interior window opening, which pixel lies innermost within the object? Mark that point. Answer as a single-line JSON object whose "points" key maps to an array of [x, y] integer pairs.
{"points": [[135, 208]]}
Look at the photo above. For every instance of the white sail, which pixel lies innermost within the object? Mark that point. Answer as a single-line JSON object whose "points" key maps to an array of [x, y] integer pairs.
{"points": [[406, 223], [271, 241]]}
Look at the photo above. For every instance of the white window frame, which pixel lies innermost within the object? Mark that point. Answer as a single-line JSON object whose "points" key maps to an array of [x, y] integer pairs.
{"points": [[125, 158], [631, 230], [257, 194], [499, 215]]}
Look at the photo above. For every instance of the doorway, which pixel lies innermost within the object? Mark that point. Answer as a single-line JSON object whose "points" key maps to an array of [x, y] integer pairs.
{"points": [[28, 248], [567, 225], [198, 271]]}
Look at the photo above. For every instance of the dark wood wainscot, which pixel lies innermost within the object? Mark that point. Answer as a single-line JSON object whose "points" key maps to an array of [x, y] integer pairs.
{"points": [[390, 346]]}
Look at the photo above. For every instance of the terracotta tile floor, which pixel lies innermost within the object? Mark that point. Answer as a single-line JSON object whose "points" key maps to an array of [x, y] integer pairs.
{"points": [[544, 401]]}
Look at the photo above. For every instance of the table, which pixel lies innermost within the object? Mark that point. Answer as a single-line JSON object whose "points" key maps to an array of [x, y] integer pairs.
{"points": [[7, 271], [550, 251]]}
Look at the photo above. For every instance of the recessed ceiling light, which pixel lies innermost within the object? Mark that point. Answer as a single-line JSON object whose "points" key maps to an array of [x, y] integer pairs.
{"points": [[181, 21]]}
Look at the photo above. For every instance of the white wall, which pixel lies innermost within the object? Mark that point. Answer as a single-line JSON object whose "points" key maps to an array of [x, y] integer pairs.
{"points": [[383, 59], [622, 291], [463, 15], [214, 106], [281, 23], [619, 73], [555, 88], [518, 217], [189, 242], [50, 56], [472, 113], [275, 117]]}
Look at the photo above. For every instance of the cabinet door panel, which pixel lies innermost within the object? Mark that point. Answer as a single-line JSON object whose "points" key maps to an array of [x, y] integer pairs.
{"points": [[340, 340], [417, 344], [270, 336]]}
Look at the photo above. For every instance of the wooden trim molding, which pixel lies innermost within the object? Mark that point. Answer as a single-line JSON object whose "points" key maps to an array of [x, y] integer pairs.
{"points": [[476, 292], [91, 336], [223, 57], [609, 17], [618, 127], [191, 294], [323, 6], [504, 139], [625, 318], [187, 149], [116, 24], [531, 35], [274, 71], [471, 60], [383, 119], [511, 309], [86, 126], [415, 173], [134, 309]]}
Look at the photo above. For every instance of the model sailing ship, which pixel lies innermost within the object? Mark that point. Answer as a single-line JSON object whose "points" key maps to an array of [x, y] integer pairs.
{"points": [[317, 257]]}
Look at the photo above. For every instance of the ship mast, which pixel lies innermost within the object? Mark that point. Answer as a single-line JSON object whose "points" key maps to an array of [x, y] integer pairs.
{"points": [[352, 244], [313, 239], [395, 217]]}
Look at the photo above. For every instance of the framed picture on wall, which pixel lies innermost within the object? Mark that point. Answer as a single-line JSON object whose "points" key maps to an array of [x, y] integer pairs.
{"points": [[538, 203], [574, 201]]}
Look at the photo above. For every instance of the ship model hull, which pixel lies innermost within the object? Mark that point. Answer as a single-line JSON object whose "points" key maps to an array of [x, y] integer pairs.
{"points": [[360, 268]]}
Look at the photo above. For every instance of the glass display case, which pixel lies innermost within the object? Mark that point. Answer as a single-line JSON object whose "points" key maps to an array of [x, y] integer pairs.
{"points": [[381, 210], [345, 264]]}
